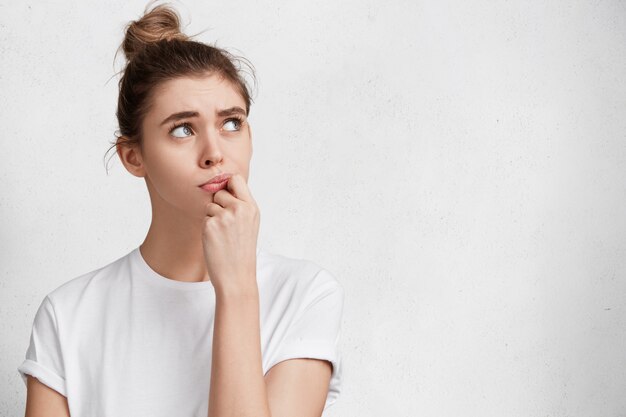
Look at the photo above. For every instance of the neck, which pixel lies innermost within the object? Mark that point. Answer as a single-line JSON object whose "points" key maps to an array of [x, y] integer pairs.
{"points": [[173, 246]]}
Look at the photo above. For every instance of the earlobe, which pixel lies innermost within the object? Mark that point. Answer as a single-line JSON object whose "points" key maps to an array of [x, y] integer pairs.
{"points": [[130, 155]]}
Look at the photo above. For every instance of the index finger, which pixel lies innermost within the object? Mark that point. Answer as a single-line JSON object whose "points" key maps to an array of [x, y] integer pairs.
{"points": [[237, 186]]}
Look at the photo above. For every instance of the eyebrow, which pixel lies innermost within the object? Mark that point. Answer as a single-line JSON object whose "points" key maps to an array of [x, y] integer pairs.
{"points": [[191, 113]]}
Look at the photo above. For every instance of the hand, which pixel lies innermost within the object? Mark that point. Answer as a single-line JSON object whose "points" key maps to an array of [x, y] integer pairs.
{"points": [[229, 238]]}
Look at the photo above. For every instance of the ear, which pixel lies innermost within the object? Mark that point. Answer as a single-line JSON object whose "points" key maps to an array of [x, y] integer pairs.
{"points": [[130, 155]]}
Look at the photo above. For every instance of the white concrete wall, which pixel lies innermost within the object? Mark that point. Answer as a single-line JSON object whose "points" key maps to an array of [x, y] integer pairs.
{"points": [[460, 166]]}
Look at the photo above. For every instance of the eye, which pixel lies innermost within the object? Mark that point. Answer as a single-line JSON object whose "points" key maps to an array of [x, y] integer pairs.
{"points": [[183, 128], [236, 122]]}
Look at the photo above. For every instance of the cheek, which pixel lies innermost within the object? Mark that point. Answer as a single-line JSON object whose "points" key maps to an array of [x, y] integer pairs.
{"points": [[244, 150], [237, 153], [168, 169], [242, 162]]}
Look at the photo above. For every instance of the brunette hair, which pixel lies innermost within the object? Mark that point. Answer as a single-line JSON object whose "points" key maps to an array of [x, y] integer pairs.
{"points": [[157, 50]]}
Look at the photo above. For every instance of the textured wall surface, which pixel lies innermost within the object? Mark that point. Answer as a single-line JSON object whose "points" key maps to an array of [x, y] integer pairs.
{"points": [[459, 166]]}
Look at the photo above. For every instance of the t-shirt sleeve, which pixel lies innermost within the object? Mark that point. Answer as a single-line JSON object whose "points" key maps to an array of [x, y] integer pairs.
{"points": [[44, 359], [316, 330]]}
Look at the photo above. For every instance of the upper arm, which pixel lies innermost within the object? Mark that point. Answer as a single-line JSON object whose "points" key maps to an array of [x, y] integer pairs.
{"points": [[42, 400], [298, 387]]}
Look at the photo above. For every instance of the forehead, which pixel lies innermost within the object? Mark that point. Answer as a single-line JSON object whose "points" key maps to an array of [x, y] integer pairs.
{"points": [[205, 94]]}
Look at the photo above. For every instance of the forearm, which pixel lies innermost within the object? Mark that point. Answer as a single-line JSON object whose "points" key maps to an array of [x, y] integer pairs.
{"points": [[237, 383]]}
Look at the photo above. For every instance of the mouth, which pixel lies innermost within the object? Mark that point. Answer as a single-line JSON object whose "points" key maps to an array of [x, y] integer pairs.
{"points": [[216, 183]]}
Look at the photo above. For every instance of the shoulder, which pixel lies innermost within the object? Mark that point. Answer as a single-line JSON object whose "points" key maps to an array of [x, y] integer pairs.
{"points": [[299, 277], [96, 282]]}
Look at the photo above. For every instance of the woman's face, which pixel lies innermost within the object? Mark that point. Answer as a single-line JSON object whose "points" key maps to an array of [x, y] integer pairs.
{"points": [[183, 151]]}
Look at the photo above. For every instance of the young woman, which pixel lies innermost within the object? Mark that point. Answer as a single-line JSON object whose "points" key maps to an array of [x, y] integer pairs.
{"points": [[197, 320]]}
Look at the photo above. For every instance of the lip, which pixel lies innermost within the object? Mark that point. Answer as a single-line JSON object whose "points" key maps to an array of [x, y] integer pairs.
{"points": [[216, 183], [218, 178], [214, 187]]}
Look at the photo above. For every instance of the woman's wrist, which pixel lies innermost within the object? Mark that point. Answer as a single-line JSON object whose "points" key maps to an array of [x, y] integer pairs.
{"points": [[247, 292]]}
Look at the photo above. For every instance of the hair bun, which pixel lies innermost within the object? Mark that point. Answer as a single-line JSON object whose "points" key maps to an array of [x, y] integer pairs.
{"points": [[162, 22]]}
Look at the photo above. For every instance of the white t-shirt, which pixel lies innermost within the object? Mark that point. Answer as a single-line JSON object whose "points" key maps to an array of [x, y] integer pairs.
{"points": [[123, 340]]}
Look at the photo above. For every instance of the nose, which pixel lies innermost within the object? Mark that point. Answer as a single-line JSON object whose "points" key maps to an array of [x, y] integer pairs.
{"points": [[210, 154]]}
